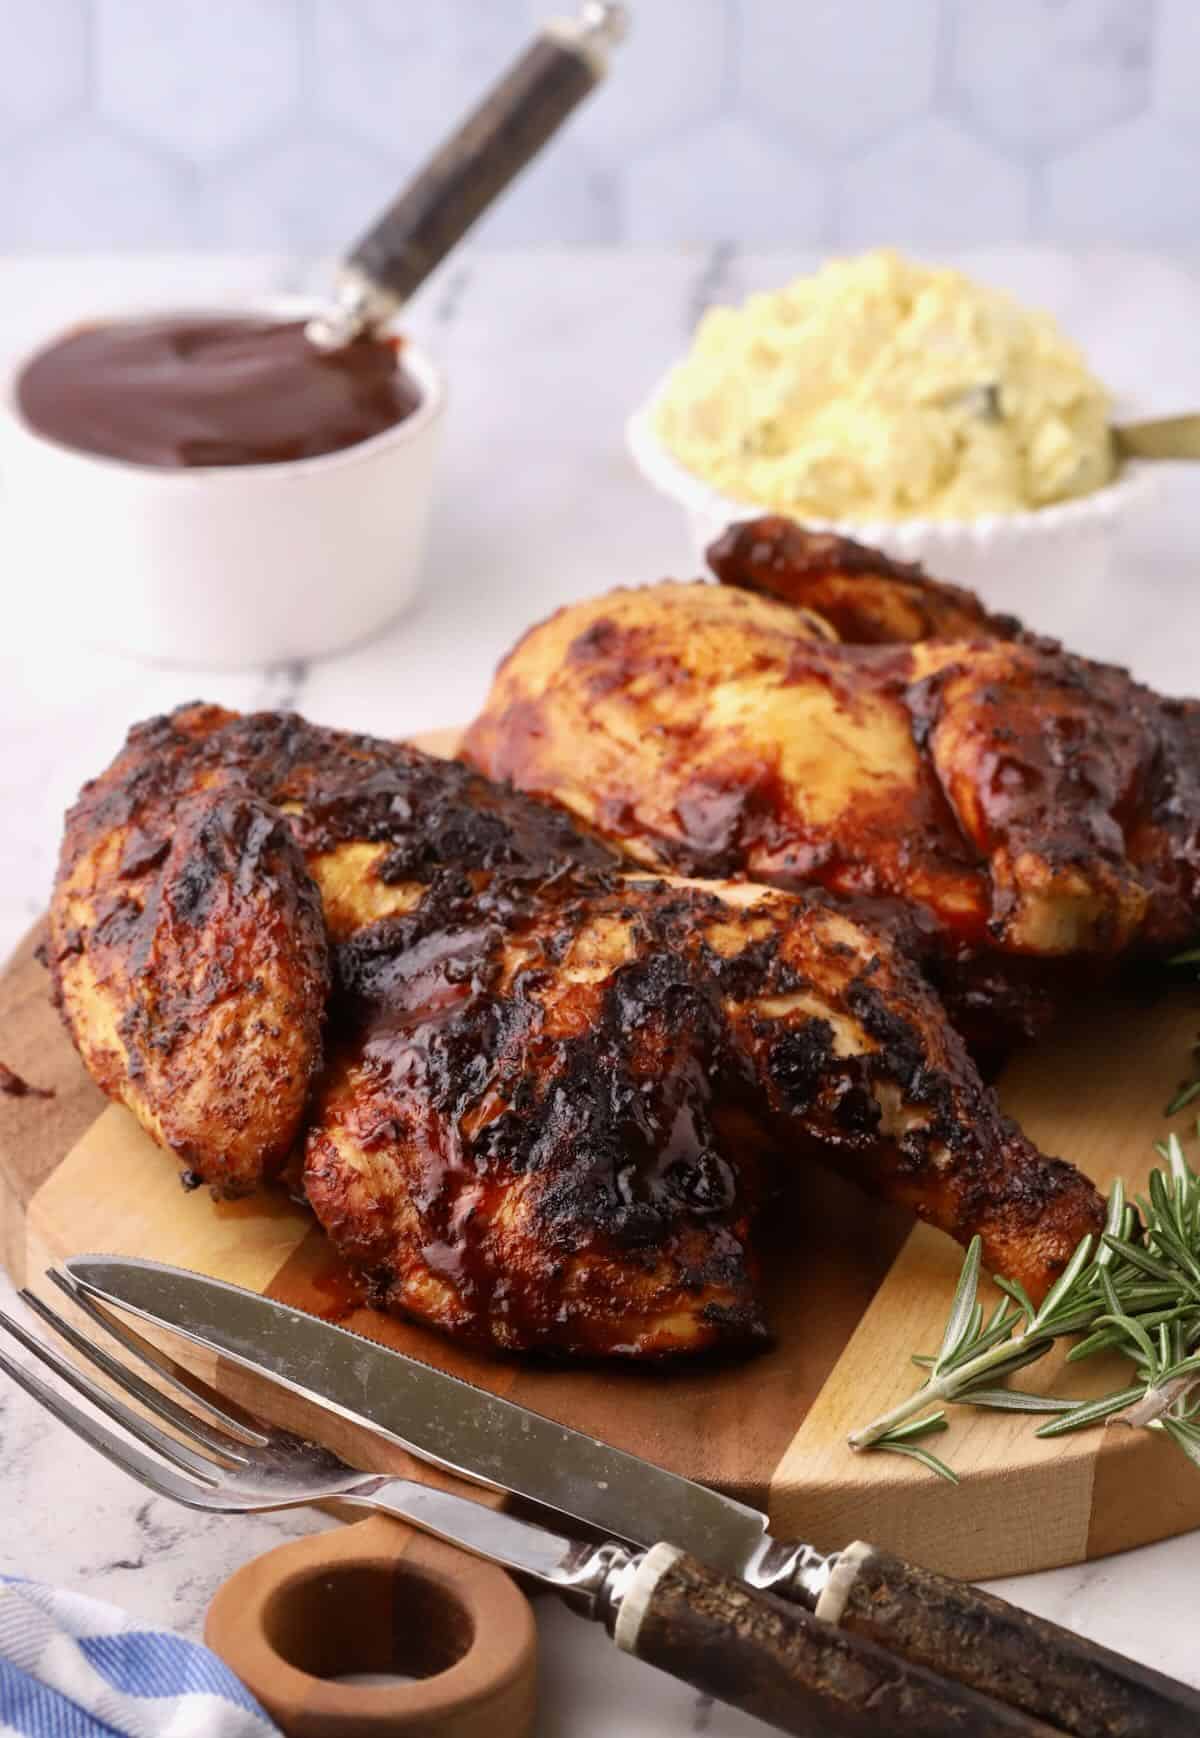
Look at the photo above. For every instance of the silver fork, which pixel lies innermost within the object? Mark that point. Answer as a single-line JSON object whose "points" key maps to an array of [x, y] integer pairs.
{"points": [[233, 1464]]}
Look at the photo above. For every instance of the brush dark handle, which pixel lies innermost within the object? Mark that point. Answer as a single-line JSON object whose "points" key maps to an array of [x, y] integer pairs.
{"points": [[476, 164], [780, 1663], [979, 1640]]}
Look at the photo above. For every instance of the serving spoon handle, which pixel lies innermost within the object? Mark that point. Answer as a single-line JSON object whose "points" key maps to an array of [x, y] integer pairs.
{"points": [[1166, 437], [520, 114]]}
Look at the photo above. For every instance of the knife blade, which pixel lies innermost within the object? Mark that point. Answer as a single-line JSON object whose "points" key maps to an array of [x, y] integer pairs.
{"points": [[436, 1417]]}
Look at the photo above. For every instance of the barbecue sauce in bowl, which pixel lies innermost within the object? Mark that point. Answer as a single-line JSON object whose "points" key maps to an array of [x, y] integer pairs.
{"points": [[185, 391]]}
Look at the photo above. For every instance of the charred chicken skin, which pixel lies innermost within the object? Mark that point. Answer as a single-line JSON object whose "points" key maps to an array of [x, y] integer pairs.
{"points": [[540, 1094], [1028, 817]]}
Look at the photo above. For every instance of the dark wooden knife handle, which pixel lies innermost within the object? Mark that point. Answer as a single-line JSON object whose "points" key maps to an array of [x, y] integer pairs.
{"points": [[979, 1640], [476, 163], [780, 1663]]}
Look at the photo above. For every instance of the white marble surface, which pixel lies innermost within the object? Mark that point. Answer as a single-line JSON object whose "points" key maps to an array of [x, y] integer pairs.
{"points": [[537, 504]]}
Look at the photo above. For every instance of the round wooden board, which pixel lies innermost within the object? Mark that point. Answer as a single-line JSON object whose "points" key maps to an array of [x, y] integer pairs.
{"points": [[852, 1289]]}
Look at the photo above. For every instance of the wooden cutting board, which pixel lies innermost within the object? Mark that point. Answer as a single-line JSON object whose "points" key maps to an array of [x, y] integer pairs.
{"points": [[853, 1288]]}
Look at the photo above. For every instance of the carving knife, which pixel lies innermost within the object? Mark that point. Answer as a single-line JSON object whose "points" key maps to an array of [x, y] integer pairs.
{"points": [[944, 1625]]}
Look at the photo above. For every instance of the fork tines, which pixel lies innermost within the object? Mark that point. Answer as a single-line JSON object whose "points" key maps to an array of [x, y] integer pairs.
{"points": [[222, 1461]]}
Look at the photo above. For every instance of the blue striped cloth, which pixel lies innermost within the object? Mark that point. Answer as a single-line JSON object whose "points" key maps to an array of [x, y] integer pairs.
{"points": [[72, 1667]]}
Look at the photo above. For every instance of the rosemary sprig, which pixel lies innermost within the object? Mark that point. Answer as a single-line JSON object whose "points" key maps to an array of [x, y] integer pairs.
{"points": [[1136, 1291]]}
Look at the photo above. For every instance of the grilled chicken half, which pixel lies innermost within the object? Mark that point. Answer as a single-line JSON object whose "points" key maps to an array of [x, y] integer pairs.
{"points": [[1028, 817], [557, 1089]]}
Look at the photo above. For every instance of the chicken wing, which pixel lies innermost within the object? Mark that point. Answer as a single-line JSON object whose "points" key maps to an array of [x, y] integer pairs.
{"points": [[866, 597]]}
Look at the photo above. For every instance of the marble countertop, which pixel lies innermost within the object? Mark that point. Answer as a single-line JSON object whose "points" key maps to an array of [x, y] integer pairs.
{"points": [[537, 504]]}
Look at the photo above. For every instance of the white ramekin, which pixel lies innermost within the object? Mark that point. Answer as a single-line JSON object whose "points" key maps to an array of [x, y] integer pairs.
{"points": [[1047, 566], [229, 565]]}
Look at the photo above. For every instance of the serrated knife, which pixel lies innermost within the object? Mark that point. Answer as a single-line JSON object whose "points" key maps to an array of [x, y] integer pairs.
{"points": [[947, 1626]]}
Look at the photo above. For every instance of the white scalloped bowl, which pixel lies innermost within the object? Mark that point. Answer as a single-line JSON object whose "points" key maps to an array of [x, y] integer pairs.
{"points": [[1047, 565]]}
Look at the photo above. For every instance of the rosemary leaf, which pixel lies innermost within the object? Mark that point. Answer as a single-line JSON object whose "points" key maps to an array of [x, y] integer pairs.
{"points": [[923, 1455], [1092, 1411], [1061, 1290], [1108, 1286], [1138, 1297], [1139, 1258], [1019, 1295], [1184, 1367], [1018, 1356], [958, 1322], [1000, 1327], [1183, 1098], [1164, 1202], [1016, 1400], [1137, 1333], [1102, 1341], [1172, 1244], [918, 1427], [1115, 1224], [1180, 1173], [1185, 1439]]}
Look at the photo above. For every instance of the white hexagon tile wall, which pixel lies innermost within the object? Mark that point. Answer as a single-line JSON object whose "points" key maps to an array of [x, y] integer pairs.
{"points": [[283, 124]]}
